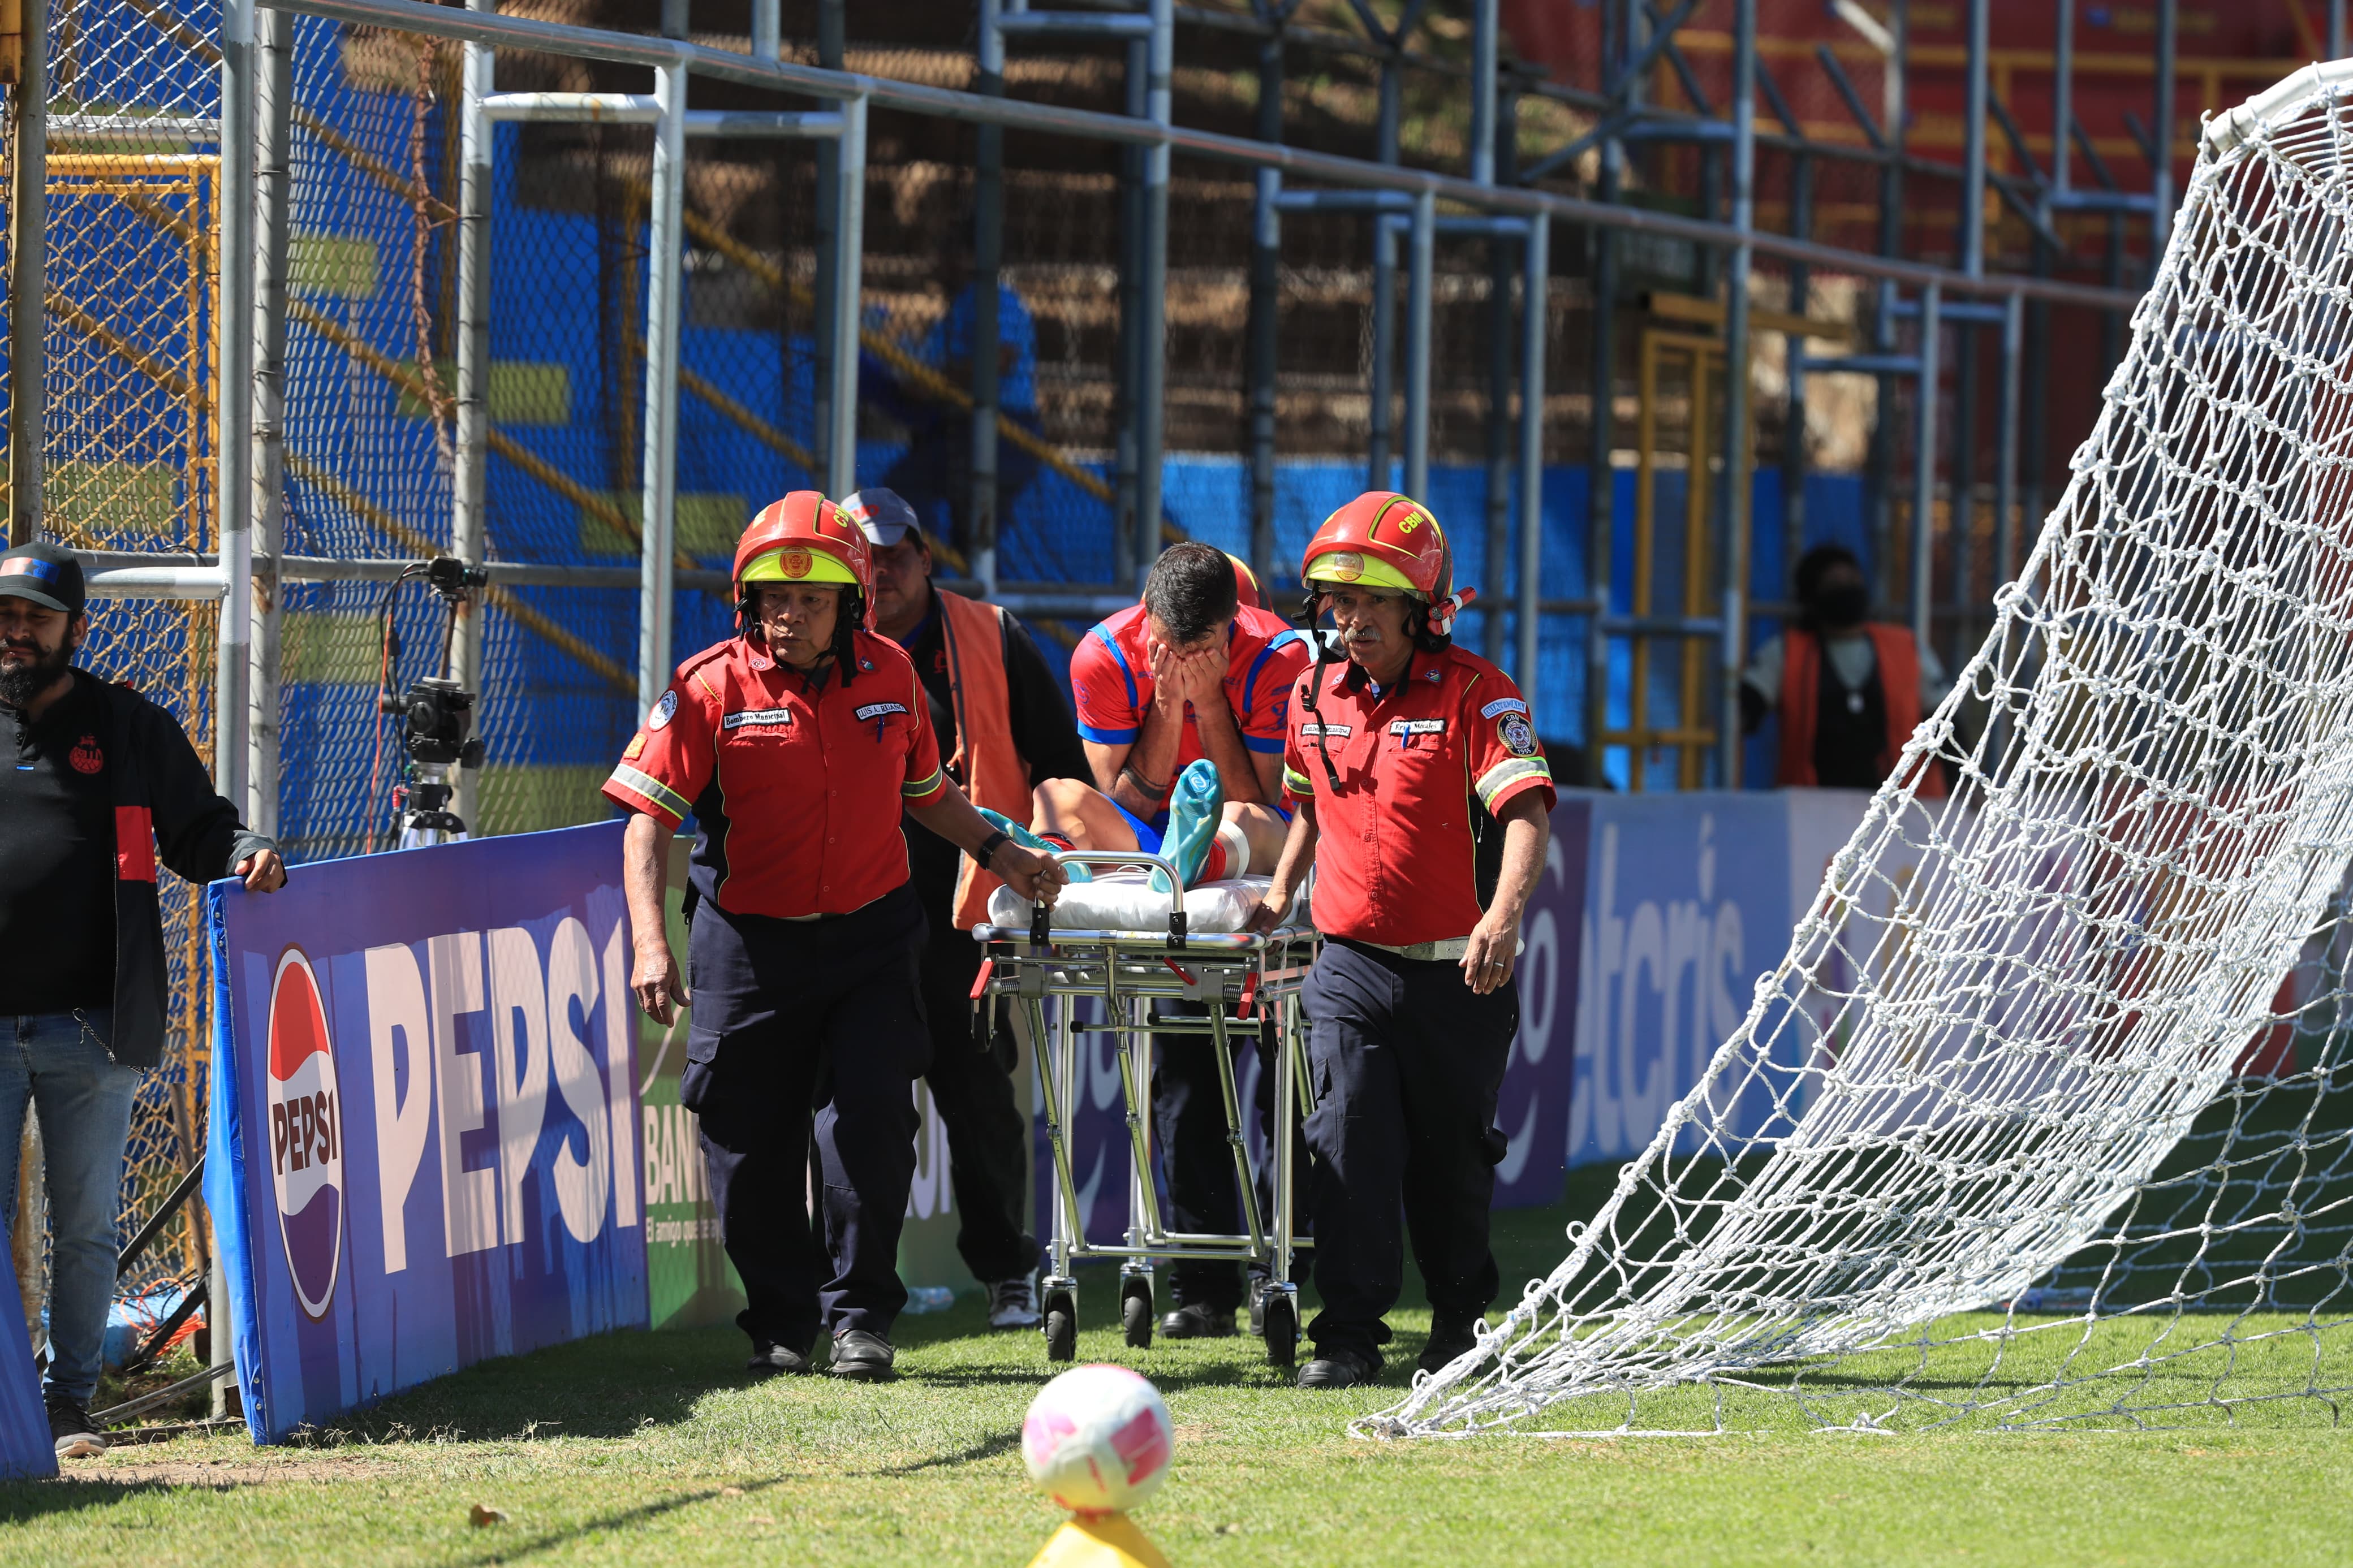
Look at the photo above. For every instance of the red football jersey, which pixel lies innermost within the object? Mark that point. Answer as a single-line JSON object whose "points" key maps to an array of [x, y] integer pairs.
{"points": [[1394, 855], [795, 784], [1111, 677]]}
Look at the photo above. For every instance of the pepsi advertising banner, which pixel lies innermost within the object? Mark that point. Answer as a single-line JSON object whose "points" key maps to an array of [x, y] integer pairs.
{"points": [[424, 1116]]}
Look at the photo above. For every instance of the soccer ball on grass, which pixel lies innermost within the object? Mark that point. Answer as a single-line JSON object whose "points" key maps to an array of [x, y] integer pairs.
{"points": [[1097, 1439]]}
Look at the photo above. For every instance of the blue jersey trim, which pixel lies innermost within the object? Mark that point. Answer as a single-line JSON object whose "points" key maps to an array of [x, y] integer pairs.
{"points": [[1267, 743], [1107, 737], [1126, 674]]}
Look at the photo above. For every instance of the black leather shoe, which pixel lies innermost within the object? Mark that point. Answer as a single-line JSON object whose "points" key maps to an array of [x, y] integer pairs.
{"points": [[1339, 1369], [863, 1356], [770, 1359], [1451, 1335], [1199, 1323]]}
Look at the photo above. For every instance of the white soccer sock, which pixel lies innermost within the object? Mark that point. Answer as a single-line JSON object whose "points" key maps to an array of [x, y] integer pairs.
{"points": [[1229, 855]]}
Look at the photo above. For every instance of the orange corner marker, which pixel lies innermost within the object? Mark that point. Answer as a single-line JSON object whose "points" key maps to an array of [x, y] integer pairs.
{"points": [[1099, 1540]]}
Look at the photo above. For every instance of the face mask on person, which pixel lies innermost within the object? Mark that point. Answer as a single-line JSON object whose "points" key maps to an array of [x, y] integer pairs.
{"points": [[1841, 606]]}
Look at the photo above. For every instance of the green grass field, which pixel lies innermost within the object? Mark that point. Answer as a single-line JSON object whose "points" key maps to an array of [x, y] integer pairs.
{"points": [[641, 1447]]}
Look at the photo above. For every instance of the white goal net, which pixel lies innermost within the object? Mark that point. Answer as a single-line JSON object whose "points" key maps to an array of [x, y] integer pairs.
{"points": [[2067, 1138]]}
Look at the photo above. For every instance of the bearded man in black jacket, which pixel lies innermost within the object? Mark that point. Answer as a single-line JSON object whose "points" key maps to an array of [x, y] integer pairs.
{"points": [[100, 783]]}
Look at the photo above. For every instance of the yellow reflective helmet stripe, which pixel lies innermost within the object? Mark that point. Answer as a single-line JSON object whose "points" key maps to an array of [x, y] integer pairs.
{"points": [[797, 563], [1359, 568]]}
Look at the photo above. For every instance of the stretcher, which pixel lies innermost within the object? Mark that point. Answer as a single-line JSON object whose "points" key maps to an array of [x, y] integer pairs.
{"points": [[1158, 947]]}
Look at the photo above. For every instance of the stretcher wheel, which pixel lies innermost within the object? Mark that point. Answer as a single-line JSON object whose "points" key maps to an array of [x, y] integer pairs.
{"points": [[1136, 1312], [1061, 1324], [1282, 1328]]}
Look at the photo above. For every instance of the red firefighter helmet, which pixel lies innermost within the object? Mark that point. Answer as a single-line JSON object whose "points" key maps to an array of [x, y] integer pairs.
{"points": [[1383, 540], [805, 538]]}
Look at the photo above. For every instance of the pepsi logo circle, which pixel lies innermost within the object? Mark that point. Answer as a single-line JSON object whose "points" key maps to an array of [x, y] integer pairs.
{"points": [[306, 1133]]}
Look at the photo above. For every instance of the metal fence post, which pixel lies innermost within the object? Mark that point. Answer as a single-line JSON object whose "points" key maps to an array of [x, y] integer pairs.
{"points": [[1417, 348], [273, 189], [468, 522], [988, 265], [658, 496], [29, 312], [827, 212], [1536, 307], [1736, 486], [1263, 329], [233, 441], [849, 253], [1152, 400], [1924, 461]]}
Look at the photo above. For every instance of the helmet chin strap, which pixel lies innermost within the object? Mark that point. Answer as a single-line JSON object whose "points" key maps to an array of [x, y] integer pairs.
{"points": [[1308, 699]]}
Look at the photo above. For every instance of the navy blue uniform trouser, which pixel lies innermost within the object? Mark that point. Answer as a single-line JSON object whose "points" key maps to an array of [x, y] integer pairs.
{"points": [[1408, 1063], [790, 1015], [988, 1138]]}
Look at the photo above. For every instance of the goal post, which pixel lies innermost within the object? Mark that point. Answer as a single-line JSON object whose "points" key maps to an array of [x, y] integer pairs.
{"points": [[2067, 1137]]}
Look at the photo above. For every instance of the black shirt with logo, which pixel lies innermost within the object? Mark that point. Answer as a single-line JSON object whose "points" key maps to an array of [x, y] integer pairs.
{"points": [[56, 858]]}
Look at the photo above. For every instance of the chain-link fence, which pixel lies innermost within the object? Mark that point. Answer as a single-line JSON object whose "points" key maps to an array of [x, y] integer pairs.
{"points": [[132, 268]]}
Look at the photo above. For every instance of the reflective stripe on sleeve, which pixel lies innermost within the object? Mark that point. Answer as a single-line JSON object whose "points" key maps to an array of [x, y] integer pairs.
{"points": [[665, 801], [1297, 783], [918, 789], [1506, 775]]}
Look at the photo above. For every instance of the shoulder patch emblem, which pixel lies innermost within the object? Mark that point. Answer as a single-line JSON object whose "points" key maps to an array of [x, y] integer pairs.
{"points": [[663, 710], [636, 748], [1430, 675], [1518, 737], [1503, 705]]}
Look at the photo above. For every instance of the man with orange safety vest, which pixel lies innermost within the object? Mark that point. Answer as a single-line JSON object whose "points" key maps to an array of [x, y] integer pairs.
{"points": [[795, 745], [1850, 690], [1005, 727], [1396, 757]]}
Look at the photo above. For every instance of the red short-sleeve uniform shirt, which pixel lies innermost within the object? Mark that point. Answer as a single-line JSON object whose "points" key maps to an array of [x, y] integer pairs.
{"points": [[1111, 678], [1395, 861], [795, 784]]}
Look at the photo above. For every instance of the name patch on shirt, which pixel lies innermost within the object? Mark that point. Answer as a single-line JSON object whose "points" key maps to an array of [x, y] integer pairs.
{"points": [[757, 718], [1330, 732], [877, 710], [1416, 726], [1503, 705]]}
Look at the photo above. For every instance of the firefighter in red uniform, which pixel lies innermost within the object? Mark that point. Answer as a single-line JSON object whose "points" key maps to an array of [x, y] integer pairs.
{"points": [[1394, 758], [795, 745]]}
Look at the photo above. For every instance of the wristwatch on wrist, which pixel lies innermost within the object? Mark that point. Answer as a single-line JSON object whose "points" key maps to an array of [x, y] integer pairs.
{"points": [[989, 846]]}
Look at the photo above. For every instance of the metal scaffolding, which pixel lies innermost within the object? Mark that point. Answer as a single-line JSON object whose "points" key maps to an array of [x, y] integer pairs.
{"points": [[1505, 200]]}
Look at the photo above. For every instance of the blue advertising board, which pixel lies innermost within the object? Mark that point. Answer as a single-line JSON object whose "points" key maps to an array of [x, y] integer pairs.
{"points": [[423, 1117], [1688, 901], [1539, 1076], [25, 1450]]}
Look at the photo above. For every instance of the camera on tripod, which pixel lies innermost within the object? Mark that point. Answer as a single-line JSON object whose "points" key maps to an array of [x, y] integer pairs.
{"points": [[436, 712]]}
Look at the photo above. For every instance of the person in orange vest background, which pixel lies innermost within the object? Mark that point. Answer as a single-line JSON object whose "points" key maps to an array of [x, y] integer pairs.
{"points": [[1850, 689], [1005, 727]]}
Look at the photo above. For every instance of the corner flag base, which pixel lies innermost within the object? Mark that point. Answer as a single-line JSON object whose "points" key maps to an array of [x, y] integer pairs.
{"points": [[1099, 1540]]}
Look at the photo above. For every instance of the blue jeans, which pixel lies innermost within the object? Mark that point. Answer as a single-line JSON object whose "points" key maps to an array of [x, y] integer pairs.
{"points": [[58, 1062]]}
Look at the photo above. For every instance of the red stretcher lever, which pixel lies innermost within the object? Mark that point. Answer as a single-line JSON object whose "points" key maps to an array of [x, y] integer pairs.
{"points": [[1249, 997], [1181, 971], [980, 981]]}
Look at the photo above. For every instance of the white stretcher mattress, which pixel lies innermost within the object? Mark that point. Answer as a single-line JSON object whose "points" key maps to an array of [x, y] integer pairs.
{"points": [[1125, 901]]}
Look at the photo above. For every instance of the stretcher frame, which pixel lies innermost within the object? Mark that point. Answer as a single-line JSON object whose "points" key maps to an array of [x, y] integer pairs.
{"points": [[1242, 978]]}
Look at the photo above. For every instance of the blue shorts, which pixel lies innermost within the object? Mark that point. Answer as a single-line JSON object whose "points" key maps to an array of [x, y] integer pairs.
{"points": [[1147, 834]]}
